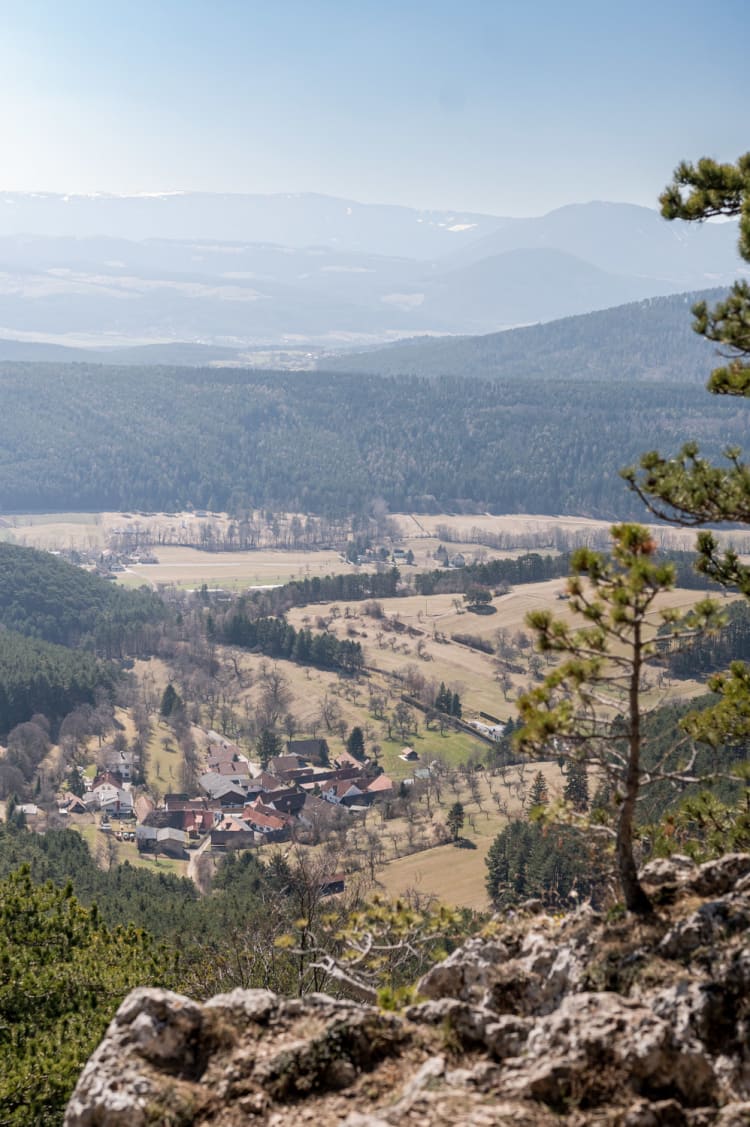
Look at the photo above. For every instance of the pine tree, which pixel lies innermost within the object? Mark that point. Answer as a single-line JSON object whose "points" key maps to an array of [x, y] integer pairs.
{"points": [[355, 744], [455, 819], [64, 974], [603, 663], [539, 793], [170, 701], [689, 490], [444, 699], [577, 786], [268, 746], [455, 708]]}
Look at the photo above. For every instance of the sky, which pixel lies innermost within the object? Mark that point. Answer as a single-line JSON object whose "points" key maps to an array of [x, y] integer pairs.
{"points": [[508, 107]]}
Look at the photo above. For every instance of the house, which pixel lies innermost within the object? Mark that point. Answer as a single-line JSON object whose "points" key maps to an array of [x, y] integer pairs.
{"points": [[172, 842], [345, 759], [409, 755], [145, 838], [74, 805], [268, 825], [332, 885], [124, 764], [114, 800], [195, 819], [232, 833], [114, 778], [345, 793], [223, 788], [143, 806], [315, 751], [268, 782], [380, 787], [286, 801], [283, 765]]}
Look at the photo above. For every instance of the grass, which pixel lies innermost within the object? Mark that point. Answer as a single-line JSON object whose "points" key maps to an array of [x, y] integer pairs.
{"points": [[189, 568], [453, 748], [125, 851], [457, 875]]}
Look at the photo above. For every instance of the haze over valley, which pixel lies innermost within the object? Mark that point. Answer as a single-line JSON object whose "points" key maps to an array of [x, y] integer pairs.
{"points": [[373, 722], [303, 271]]}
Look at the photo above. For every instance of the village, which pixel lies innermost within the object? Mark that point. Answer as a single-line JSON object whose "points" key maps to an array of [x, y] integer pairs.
{"points": [[299, 796]]}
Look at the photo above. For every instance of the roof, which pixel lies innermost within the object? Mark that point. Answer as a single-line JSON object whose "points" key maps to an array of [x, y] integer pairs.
{"points": [[219, 785], [264, 821], [281, 763], [308, 749], [143, 806], [341, 789], [111, 778], [267, 781], [379, 785], [231, 769], [345, 759], [258, 807]]}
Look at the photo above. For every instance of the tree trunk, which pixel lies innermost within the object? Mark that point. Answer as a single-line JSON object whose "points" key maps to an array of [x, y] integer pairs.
{"points": [[636, 899]]}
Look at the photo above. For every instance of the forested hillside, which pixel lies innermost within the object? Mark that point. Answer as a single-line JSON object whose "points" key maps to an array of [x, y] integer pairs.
{"points": [[649, 339], [44, 596], [93, 438], [38, 677]]}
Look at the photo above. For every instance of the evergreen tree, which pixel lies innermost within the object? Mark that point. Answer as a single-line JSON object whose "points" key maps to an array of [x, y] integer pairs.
{"points": [[268, 746], [603, 665], [355, 744], [528, 859], [64, 974], [444, 699], [170, 701], [539, 793], [455, 819], [577, 786], [455, 709], [689, 490]]}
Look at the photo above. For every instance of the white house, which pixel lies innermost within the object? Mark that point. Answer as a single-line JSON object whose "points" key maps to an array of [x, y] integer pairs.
{"points": [[115, 800]]}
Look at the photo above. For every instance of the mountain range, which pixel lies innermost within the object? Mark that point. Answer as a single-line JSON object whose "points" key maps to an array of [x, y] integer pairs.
{"points": [[650, 339], [312, 272]]}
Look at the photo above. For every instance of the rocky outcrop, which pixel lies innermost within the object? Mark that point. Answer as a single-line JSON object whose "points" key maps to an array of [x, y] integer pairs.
{"points": [[579, 1020]]}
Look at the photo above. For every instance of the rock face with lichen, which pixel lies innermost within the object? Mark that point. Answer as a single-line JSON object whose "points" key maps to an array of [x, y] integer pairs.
{"points": [[579, 1020]]}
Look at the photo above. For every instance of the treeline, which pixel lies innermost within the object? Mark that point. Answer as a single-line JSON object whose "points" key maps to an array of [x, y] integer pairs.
{"points": [[38, 677], [352, 587], [45, 597], [331, 443], [275, 637], [529, 568], [709, 653]]}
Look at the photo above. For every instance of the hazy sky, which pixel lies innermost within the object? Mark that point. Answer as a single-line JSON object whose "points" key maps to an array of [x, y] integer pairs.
{"points": [[506, 107]]}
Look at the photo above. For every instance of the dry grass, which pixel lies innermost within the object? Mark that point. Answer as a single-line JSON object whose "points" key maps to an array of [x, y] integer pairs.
{"points": [[457, 875], [469, 672], [191, 568]]}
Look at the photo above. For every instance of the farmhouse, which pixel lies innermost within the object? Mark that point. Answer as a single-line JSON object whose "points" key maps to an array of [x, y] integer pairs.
{"points": [[345, 793], [315, 751]]}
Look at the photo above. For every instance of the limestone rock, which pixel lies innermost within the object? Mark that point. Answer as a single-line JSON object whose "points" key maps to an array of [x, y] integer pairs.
{"points": [[543, 1023]]}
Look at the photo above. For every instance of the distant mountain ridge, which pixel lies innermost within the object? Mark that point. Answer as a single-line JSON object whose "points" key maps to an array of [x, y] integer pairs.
{"points": [[293, 219], [249, 272], [649, 339]]}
